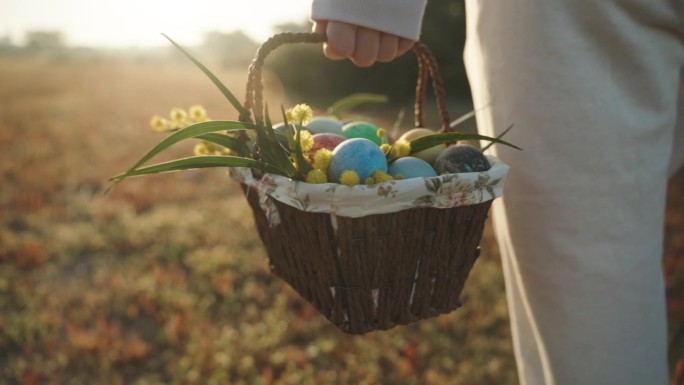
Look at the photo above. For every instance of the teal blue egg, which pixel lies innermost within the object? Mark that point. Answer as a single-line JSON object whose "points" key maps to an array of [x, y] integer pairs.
{"points": [[324, 124], [357, 154], [411, 167], [362, 130]]}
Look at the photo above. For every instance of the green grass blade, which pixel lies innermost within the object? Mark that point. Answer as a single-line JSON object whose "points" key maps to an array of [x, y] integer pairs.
{"points": [[303, 165], [224, 90], [426, 142], [234, 144], [462, 119], [294, 139], [351, 101], [191, 132], [198, 162], [270, 149], [498, 137]]}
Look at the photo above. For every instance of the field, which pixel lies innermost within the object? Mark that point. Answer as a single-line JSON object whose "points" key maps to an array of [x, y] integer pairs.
{"points": [[140, 286]]}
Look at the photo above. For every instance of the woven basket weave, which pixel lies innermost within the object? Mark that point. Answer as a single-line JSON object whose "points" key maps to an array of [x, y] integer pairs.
{"points": [[378, 271]]}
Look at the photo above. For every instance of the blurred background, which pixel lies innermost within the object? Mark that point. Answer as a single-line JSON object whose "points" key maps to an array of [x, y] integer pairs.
{"points": [[163, 280]]}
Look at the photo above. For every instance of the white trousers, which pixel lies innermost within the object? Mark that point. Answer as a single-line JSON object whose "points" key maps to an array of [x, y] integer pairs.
{"points": [[594, 91]]}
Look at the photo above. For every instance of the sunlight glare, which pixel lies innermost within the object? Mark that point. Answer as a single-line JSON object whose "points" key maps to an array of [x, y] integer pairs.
{"points": [[126, 23]]}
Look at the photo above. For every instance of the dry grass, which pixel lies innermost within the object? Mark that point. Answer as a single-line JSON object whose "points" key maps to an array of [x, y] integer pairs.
{"points": [[139, 287]]}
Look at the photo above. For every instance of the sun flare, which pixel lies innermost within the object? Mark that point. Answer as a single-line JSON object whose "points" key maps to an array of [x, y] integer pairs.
{"points": [[127, 23]]}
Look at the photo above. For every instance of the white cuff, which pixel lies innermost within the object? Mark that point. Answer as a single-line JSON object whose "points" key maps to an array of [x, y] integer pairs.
{"points": [[398, 17]]}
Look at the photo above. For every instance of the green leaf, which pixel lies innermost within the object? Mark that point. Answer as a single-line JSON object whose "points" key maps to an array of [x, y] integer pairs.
{"points": [[224, 90], [426, 142], [351, 101], [293, 132], [199, 162], [270, 149], [498, 137], [192, 131], [236, 145]]}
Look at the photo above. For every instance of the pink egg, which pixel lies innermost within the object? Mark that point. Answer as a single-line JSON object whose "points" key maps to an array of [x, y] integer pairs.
{"points": [[326, 140]]}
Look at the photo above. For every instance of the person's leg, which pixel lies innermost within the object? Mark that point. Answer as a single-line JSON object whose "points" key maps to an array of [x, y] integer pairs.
{"points": [[592, 91]]}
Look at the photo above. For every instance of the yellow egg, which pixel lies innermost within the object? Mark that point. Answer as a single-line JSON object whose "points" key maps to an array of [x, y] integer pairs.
{"points": [[429, 155]]}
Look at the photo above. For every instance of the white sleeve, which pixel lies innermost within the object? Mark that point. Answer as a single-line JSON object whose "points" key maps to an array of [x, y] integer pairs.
{"points": [[398, 17]]}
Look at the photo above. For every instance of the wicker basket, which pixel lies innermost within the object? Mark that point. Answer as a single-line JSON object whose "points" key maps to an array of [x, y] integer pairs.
{"points": [[377, 271]]}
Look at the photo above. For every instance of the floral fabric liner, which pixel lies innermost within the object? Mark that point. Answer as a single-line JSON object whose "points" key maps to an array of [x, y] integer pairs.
{"points": [[442, 191]]}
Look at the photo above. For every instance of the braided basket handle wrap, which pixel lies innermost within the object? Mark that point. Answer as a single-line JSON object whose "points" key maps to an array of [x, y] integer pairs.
{"points": [[427, 68]]}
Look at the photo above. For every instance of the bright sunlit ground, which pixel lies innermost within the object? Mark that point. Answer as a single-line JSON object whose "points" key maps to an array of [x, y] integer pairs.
{"points": [[127, 23]]}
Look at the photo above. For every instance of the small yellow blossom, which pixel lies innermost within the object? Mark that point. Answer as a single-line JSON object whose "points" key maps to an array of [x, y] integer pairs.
{"points": [[399, 177], [301, 113], [369, 181], [321, 159], [381, 176], [389, 150], [178, 115], [306, 139], [159, 124], [200, 149], [316, 176], [209, 148], [349, 178], [380, 132], [403, 148], [198, 113]]}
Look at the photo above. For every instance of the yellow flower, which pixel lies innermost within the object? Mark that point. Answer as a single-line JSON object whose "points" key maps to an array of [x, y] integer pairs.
{"points": [[321, 159], [380, 132], [209, 148], [201, 149], [369, 181], [158, 123], [349, 177], [178, 115], [399, 177], [306, 139], [389, 150], [403, 148], [381, 176], [198, 113], [316, 176], [301, 113]]}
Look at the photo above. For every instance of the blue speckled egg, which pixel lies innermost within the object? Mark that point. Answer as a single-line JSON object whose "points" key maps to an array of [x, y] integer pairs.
{"points": [[461, 158], [357, 154], [323, 124], [362, 130], [411, 167]]}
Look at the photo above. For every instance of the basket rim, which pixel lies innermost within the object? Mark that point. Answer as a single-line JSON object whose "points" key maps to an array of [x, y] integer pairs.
{"points": [[444, 191]]}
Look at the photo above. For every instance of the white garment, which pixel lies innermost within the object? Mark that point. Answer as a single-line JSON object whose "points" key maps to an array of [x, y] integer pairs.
{"points": [[594, 90], [399, 17]]}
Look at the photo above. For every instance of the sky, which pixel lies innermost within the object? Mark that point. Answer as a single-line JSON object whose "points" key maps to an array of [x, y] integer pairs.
{"points": [[139, 23]]}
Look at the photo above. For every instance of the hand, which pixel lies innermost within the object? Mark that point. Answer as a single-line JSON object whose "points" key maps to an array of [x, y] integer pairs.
{"points": [[363, 46]]}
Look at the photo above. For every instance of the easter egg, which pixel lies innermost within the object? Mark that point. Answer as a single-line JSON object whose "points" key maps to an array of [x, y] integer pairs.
{"points": [[411, 167], [322, 124], [461, 158], [430, 154], [362, 130], [358, 154], [326, 140]]}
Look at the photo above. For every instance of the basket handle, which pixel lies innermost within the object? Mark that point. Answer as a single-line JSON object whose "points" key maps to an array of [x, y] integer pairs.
{"points": [[427, 68]]}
